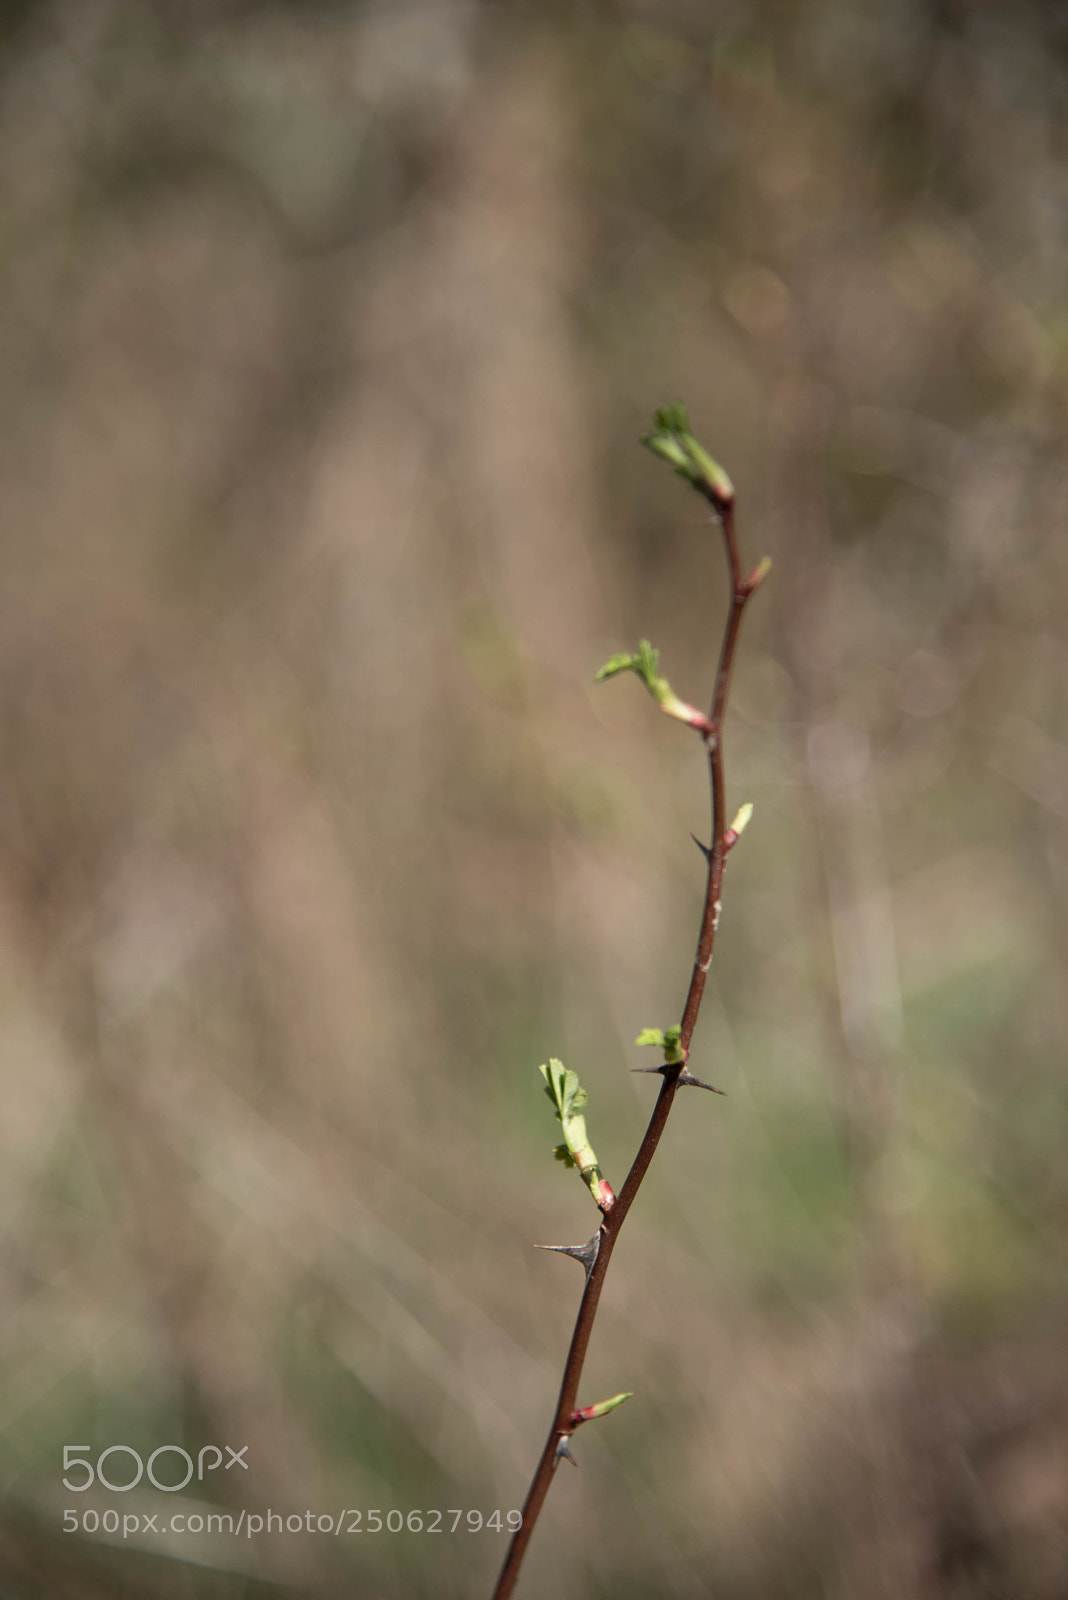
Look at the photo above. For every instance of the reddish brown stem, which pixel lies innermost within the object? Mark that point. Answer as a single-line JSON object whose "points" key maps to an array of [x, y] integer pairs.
{"points": [[563, 1424]]}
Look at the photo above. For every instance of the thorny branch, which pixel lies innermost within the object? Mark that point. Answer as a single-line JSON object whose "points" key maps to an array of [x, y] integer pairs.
{"points": [[713, 484]]}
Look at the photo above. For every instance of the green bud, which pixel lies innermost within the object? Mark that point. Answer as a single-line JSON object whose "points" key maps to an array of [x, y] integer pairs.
{"points": [[601, 1409], [569, 1098], [742, 820], [672, 440], [646, 664], [665, 1039], [673, 418]]}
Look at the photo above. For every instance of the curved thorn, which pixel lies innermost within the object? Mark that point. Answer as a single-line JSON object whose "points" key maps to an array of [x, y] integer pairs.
{"points": [[704, 849], [585, 1253], [698, 1083], [563, 1453]]}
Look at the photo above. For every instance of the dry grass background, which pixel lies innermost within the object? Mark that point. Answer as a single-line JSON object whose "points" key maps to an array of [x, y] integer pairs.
{"points": [[328, 330]]}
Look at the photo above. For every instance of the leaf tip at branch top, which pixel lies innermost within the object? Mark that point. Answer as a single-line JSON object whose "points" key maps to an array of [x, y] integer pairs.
{"points": [[671, 440]]}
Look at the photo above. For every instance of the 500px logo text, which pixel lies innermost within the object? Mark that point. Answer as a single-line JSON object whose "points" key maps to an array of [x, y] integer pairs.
{"points": [[74, 1456]]}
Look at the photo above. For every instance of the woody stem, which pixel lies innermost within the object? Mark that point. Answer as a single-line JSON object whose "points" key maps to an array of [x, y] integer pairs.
{"points": [[562, 1424]]}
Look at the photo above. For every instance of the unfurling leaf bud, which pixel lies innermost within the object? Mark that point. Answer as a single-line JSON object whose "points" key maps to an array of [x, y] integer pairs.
{"points": [[569, 1099], [672, 440], [651, 1036], [615, 664], [666, 1039], [646, 664]]}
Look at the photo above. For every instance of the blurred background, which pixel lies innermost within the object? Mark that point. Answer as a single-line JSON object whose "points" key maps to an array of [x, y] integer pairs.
{"points": [[328, 332]]}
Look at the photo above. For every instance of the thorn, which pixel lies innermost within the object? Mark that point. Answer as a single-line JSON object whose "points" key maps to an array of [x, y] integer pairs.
{"points": [[586, 1253], [697, 1083], [663, 1069], [704, 849], [685, 1077], [563, 1453]]}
